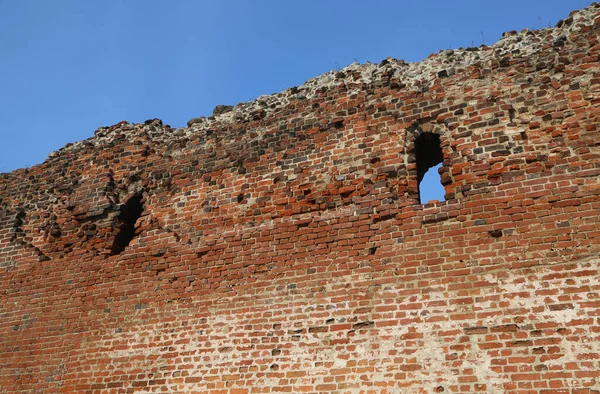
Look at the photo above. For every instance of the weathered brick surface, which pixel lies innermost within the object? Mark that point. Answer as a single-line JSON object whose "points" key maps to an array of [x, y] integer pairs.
{"points": [[282, 246]]}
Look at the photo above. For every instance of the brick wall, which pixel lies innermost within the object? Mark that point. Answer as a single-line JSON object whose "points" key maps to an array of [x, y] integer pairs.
{"points": [[280, 245]]}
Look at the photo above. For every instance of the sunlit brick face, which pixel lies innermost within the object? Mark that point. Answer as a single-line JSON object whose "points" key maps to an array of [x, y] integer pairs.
{"points": [[280, 246]]}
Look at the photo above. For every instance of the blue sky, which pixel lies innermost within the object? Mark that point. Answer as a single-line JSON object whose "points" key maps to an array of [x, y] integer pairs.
{"points": [[70, 66]]}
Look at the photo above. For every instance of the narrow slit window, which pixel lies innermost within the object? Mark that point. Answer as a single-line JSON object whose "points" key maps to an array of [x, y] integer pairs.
{"points": [[429, 159], [130, 213]]}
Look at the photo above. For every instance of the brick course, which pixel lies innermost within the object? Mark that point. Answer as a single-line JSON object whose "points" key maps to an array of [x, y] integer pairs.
{"points": [[282, 246]]}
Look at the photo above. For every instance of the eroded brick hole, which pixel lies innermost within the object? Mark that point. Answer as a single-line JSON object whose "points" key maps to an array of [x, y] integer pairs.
{"points": [[130, 213], [429, 154]]}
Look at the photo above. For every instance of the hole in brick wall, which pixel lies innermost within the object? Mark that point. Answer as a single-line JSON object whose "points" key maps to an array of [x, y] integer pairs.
{"points": [[495, 233], [338, 124], [130, 213], [429, 159], [240, 198], [430, 187]]}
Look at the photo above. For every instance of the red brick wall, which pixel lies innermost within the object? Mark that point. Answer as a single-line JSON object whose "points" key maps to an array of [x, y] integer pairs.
{"points": [[282, 246]]}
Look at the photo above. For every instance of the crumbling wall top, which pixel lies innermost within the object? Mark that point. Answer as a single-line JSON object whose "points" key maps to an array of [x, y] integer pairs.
{"points": [[417, 76]]}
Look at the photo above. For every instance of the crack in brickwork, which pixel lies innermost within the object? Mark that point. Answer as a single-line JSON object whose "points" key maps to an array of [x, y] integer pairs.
{"points": [[129, 213]]}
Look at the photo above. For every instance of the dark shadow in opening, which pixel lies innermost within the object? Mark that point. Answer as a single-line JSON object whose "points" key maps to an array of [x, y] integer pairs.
{"points": [[428, 151], [130, 213]]}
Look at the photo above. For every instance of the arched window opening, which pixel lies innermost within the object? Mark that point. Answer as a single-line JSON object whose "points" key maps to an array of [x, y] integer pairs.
{"points": [[429, 159], [130, 213], [430, 187]]}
